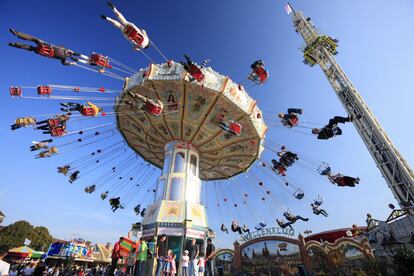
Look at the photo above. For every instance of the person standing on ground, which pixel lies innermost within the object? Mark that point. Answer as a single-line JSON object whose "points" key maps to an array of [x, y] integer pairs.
{"points": [[184, 263], [131, 262], [29, 269], [210, 254], [168, 260], [39, 269], [161, 253], [142, 256], [193, 251], [4, 266], [116, 255], [201, 264], [13, 271]]}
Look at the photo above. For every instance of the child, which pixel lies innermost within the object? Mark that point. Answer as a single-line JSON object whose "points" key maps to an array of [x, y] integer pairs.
{"points": [[168, 263], [173, 266], [201, 263], [131, 262], [184, 263]]}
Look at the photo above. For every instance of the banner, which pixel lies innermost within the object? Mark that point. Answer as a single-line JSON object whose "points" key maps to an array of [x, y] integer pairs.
{"points": [[27, 242], [55, 248]]}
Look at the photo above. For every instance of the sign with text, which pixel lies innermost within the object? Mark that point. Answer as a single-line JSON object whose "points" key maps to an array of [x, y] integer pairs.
{"points": [[196, 234], [269, 231], [170, 231]]}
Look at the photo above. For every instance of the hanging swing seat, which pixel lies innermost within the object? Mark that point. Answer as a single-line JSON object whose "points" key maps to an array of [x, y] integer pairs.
{"points": [[44, 90]]}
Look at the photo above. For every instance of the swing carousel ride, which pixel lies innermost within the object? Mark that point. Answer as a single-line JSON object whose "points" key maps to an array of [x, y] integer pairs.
{"points": [[178, 120]]}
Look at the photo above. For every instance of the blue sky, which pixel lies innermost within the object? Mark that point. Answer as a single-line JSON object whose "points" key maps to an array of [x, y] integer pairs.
{"points": [[375, 39]]}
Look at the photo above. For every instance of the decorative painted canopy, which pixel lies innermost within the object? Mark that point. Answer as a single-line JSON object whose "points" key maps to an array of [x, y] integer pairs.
{"points": [[192, 111], [176, 212]]}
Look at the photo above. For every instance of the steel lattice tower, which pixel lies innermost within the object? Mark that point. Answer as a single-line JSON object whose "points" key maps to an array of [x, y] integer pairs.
{"points": [[321, 50]]}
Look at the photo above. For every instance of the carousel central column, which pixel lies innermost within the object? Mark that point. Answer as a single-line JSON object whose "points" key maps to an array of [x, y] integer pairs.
{"points": [[176, 211], [179, 180]]}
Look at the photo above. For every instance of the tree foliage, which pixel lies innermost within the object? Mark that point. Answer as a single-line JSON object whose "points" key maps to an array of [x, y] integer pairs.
{"points": [[405, 261], [14, 235]]}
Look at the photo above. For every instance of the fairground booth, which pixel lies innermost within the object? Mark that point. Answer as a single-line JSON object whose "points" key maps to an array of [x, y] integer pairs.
{"points": [[76, 251], [23, 254]]}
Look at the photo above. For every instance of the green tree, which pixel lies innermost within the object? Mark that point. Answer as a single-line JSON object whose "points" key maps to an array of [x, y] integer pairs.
{"points": [[405, 261], [14, 235]]}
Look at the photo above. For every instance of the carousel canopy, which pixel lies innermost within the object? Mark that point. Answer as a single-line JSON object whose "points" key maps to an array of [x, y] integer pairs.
{"points": [[192, 111]]}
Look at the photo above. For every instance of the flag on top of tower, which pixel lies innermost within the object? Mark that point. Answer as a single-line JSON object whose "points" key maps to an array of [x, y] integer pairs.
{"points": [[288, 9]]}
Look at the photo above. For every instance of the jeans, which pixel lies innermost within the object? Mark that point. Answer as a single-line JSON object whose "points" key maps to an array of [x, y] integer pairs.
{"points": [[193, 268], [210, 268], [301, 218], [184, 271], [160, 265], [336, 120], [130, 270], [140, 268]]}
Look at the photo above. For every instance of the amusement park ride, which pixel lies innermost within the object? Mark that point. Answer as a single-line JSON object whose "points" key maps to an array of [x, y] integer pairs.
{"points": [[186, 141], [320, 50], [196, 125]]}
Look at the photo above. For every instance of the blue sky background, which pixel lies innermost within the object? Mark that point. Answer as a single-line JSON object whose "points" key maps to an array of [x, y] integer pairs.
{"points": [[375, 39]]}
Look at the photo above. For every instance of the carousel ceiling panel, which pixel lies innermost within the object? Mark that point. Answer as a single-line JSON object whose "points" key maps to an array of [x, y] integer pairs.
{"points": [[238, 96], [191, 113], [237, 162]]}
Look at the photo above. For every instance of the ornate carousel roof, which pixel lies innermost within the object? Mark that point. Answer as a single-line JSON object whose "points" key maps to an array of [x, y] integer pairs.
{"points": [[191, 112]]}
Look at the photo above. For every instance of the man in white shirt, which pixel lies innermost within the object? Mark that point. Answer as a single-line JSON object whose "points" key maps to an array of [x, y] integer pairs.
{"points": [[4, 267]]}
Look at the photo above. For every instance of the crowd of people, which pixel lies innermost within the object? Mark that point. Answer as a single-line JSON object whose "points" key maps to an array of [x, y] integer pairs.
{"points": [[195, 261], [40, 268]]}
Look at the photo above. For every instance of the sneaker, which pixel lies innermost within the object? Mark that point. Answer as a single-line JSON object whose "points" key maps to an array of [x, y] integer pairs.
{"points": [[103, 17]]}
